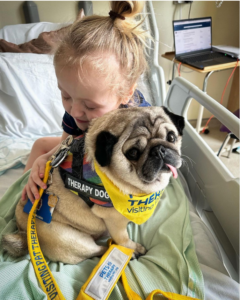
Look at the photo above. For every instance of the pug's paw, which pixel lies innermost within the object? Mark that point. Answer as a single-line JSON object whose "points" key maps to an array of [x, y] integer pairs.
{"points": [[139, 250]]}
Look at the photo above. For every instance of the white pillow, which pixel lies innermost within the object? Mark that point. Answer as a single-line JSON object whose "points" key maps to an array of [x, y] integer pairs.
{"points": [[21, 33], [30, 101], [30, 105]]}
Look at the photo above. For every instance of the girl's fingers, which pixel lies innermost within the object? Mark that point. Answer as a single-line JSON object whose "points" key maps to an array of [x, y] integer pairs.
{"points": [[37, 181], [24, 192], [42, 170], [33, 188], [29, 193]]}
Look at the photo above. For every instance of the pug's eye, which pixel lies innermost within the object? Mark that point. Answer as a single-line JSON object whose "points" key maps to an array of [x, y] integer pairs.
{"points": [[171, 137], [133, 154]]}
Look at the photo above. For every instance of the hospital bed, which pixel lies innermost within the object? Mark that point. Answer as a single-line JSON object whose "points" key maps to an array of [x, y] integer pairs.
{"points": [[30, 107]]}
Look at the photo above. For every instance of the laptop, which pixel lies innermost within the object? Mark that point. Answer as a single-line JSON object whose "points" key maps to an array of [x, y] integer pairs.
{"points": [[193, 43]]}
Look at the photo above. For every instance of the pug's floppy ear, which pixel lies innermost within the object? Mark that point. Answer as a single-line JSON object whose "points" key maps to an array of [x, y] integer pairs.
{"points": [[104, 147], [177, 120]]}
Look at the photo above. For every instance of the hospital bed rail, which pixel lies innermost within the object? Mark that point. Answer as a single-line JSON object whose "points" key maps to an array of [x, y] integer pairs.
{"points": [[214, 190]]}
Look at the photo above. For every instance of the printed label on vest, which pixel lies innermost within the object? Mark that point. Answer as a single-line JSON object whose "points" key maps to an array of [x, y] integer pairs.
{"points": [[86, 188], [105, 277]]}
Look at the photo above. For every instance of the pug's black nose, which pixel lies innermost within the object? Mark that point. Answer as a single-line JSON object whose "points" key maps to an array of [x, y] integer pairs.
{"points": [[158, 151]]}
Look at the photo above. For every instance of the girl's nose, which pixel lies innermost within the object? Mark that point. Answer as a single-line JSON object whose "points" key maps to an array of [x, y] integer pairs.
{"points": [[77, 110]]}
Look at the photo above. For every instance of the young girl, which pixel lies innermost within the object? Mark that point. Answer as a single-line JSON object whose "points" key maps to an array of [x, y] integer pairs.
{"points": [[97, 66]]}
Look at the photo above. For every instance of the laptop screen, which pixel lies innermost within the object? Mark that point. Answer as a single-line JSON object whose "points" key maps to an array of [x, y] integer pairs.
{"points": [[192, 35]]}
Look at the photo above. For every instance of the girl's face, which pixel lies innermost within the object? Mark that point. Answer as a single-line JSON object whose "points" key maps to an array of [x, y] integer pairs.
{"points": [[85, 102]]}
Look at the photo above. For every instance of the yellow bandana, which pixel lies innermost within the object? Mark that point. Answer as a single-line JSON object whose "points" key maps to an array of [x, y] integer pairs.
{"points": [[137, 209]]}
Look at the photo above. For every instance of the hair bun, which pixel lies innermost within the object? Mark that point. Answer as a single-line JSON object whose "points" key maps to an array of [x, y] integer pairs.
{"points": [[127, 8]]}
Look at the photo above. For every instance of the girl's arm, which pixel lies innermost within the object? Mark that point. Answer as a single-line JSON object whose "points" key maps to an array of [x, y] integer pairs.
{"points": [[37, 173]]}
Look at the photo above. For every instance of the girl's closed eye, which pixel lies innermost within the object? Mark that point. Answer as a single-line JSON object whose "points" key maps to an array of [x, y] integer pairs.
{"points": [[66, 98], [90, 107]]}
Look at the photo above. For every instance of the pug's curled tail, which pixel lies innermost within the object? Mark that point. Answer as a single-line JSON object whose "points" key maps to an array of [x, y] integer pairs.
{"points": [[15, 243]]}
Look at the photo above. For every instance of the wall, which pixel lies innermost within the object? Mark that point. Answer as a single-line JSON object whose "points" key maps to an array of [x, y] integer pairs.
{"points": [[225, 31], [66, 11], [11, 12]]}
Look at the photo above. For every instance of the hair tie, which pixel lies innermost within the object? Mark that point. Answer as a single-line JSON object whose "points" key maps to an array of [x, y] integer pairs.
{"points": [[113, 15]]}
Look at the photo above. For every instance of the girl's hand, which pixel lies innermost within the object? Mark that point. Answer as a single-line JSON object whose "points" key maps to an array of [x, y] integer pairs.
{"points": [[34, 180]]}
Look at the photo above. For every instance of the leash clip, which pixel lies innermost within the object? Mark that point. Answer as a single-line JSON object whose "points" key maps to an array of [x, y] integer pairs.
{"points": [[62, 152], [59, 157]]}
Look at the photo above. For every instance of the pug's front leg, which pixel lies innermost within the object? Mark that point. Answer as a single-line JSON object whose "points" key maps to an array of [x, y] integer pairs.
{"points": [[117, 227], [118, 232]]}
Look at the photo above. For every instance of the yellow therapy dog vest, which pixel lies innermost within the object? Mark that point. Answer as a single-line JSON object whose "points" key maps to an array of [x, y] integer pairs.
{"points": [[137, 209]]}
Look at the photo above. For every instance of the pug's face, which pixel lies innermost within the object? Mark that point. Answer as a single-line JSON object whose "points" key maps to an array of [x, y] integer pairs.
{"points": [[138, 148]]}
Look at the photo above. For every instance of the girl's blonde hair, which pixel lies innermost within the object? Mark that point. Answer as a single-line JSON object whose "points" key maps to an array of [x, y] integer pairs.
{"points": [[124, 38]]}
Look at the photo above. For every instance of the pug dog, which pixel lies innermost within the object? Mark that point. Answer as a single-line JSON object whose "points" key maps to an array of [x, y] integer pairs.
{"points": [[138, 149]]}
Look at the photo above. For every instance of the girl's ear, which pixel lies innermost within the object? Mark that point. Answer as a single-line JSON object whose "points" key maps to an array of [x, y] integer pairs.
{"points": [[131, 92]]}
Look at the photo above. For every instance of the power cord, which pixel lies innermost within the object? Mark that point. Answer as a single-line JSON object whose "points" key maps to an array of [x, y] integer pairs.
{"points": [[189, 10], [179, 66], [204, 128]]}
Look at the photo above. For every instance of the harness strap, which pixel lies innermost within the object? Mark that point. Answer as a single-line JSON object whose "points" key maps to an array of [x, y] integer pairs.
{"points": [[77, 173], [86, 188]]}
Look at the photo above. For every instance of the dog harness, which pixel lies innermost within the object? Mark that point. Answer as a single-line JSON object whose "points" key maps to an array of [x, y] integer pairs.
{"points": [[78, 176]]}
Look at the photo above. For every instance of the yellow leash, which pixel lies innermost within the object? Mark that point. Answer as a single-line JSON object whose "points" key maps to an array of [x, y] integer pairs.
{"points": [[103, 277], [41, 268]]}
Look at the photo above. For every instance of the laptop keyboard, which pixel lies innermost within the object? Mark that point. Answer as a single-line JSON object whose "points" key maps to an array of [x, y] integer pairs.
{"points": [[203, 57]]}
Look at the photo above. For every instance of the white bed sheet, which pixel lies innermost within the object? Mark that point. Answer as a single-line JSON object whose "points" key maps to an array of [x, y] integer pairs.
{"points": [[8, 178]]}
